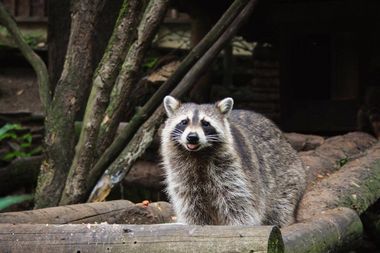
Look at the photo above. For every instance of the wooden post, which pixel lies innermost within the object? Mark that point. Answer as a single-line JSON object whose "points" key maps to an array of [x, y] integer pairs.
{"points": [[138, 238]]}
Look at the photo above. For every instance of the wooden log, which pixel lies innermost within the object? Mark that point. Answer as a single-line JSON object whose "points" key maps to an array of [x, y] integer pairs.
{"points": [[336, 230], [138, 238], [356, 185], [304, 142], [119, 211], [334, 153]]}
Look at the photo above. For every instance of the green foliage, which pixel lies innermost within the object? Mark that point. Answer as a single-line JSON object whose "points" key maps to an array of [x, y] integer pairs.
{"points": [[342, 162], [23, 141], [8, 201], [150, 62]]}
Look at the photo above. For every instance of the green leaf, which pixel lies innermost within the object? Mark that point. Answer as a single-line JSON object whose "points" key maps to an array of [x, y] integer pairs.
{"points": [[6, 131], [8, 135], [36, 150], [8, 201], [27, 137]]}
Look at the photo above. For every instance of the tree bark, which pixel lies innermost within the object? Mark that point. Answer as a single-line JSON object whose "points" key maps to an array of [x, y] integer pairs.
{"points": [[143, 138], [70, 90], [336, 230], [356, 185], [34, 60], [137, 238], [103, 80], [127, 79], [304, 142], [334, 153], [118, 211]]}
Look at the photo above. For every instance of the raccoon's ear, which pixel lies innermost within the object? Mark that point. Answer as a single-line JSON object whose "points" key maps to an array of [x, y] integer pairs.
{"points": [[225, 105], [171, 105]]}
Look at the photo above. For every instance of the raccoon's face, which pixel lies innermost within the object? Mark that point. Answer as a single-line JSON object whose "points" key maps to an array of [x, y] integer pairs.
{"points": [[195, 127]]}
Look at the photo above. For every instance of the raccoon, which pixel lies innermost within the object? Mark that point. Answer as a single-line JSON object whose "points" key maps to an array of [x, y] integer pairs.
{"points": [[228, 167]]}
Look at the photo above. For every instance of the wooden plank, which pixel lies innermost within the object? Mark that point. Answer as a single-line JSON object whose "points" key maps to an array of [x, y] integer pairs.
{"points": [[138, 238]]}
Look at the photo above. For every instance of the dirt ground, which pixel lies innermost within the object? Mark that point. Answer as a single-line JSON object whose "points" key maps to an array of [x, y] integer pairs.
{"points": [[19, 91]]}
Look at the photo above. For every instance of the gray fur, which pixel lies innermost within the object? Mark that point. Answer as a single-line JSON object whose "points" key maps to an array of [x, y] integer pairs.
{"points": [[247, 175]]}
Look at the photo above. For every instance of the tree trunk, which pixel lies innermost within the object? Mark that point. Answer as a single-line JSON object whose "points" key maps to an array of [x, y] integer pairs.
{"points": [[356, 185], [336, 230], [138, 238], [69, 92], [103, 80]]}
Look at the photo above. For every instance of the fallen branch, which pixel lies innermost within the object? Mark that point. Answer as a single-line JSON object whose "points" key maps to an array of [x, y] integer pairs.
{"points": [[138, 238], [336, 230], [356, 186], [118, 211]]}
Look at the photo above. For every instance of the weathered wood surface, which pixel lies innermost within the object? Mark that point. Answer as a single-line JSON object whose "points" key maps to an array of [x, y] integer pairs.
{"points": [[356, 185], [118, 211], [334, 152], [138, 238], [335, 230], [304, 142]]}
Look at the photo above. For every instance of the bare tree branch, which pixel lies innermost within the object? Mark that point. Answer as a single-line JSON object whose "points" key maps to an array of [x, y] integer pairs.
{"points": [[34, 60], [127, 79]]}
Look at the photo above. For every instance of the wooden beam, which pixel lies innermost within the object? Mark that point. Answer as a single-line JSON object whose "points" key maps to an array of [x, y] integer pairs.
{"points": [[138, 238]]}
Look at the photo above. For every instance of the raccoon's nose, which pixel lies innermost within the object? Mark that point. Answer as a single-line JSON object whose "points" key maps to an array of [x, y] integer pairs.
{"points": [[192, 138]]}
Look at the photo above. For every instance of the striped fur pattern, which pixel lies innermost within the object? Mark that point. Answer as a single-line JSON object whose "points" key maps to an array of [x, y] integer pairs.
{"points": [[228, 167]]}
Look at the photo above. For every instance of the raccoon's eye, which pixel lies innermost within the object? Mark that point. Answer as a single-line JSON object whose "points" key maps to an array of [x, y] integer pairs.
{"points": [[205, 123], [184, 122]]}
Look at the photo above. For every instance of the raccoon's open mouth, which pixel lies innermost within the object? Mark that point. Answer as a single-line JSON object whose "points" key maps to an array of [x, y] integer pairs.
{"points": [[193, 147]]}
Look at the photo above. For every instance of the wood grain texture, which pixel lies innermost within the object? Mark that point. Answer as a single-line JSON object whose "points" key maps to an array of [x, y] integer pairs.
{"points": [[138, 238], [118, 211]]}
